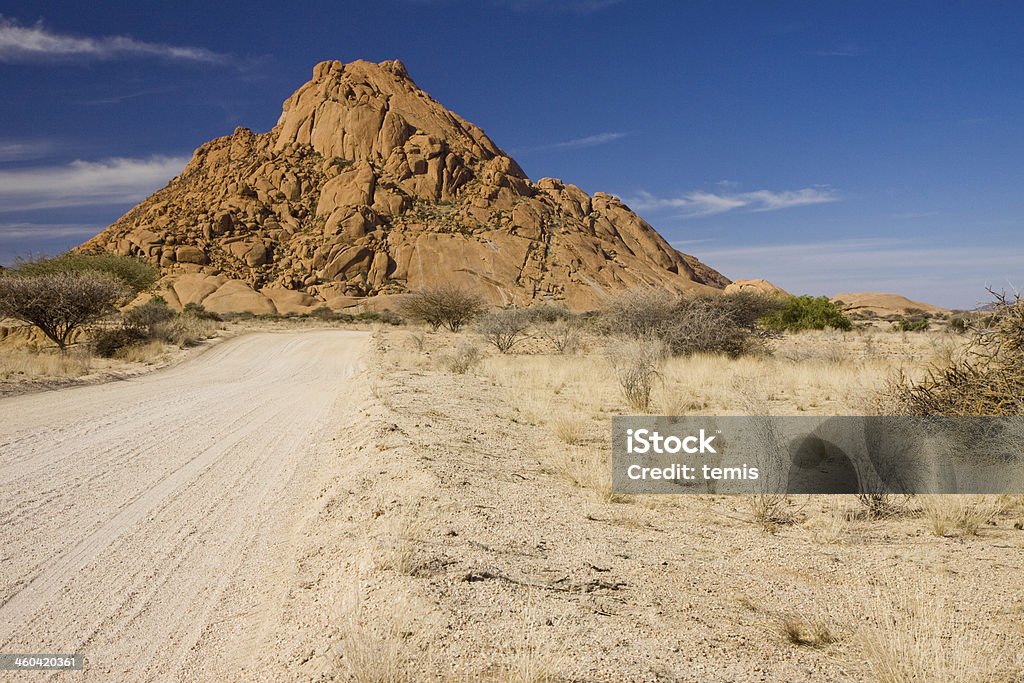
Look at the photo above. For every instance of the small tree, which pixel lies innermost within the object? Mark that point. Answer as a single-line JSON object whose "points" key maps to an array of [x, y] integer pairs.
{"points": [[59, 303], [446, 305], [504, 329]]}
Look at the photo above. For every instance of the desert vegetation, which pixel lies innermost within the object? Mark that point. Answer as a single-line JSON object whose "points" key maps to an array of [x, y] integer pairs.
{"points": [[547, 414]]}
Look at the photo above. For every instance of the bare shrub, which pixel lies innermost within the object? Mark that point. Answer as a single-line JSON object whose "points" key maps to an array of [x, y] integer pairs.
{"points": [[504, 329], [548, 313], [564, 335], [986, 379], [446, 305], [462, 358], [636, 365], [59, 303], [692, 324]]}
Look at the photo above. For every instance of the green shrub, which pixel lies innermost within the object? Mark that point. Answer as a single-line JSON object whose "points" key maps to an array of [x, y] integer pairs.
{"points": [[806, 313], [199, 311], [137, 275], [108, 342], [148, 315]]}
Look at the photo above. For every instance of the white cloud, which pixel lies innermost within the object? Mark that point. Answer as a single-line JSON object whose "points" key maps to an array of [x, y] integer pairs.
{"points": [[82, 183], [37, 43], [575, 143], [952, 275], [700, 203]]}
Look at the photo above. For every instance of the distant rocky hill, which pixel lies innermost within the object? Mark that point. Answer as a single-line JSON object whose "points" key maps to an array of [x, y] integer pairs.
{"points": [[367, 187], [882, 304]]}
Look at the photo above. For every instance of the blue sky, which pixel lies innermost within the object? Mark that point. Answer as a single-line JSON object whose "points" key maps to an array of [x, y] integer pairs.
{"points": [[827, 146]]}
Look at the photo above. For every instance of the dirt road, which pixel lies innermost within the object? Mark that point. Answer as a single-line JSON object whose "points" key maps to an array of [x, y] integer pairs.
{"points": [[147, 523]]}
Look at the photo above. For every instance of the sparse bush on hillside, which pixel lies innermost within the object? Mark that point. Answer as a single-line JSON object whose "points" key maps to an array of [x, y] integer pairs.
{"points": [[986, 379], [695, 324], [505, 328], [59, 303], [911, 324], [806, 313], [136, 275], [446, 305]]}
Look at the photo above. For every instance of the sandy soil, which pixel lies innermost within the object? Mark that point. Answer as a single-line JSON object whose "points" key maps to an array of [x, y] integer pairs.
{"points": [[147, 523], [267, 511]]}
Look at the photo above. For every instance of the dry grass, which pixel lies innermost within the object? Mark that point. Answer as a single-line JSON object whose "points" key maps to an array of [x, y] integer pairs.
{"points": [[809, 632], [373, 651], [570, 429], [959, 515], [24, 363], [535, 659], [913, 635], [148, 352], [396, 548], [588, 468]]}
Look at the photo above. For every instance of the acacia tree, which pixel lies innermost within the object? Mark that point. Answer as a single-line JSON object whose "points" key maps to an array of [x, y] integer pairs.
{"points": [[445, 305], [59, 303]]}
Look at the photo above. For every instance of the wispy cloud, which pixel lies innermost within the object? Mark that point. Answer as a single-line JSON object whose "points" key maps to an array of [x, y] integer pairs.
{"points": [[843, 50], [21, 150], [576, 143], [572, 6], [701, 203], [46, 231], [953, 275], [85, 183], [37, 43]]}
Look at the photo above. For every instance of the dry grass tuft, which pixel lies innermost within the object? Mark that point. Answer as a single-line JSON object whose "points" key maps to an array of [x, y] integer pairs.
{"points": [[142, 353], [588, 468], [570, 429], [373, 652], [462, 358], [959, 515], [914, 636], [21, 363], [801, 630], [396, 548]]}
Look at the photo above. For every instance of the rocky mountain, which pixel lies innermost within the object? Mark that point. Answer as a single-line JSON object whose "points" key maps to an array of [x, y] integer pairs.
{"points": [[367, 187]]}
